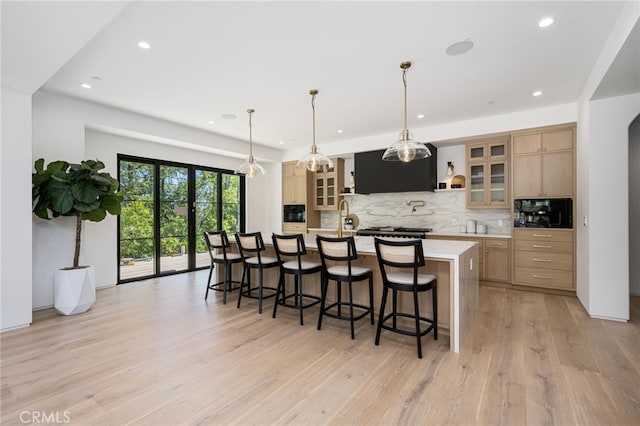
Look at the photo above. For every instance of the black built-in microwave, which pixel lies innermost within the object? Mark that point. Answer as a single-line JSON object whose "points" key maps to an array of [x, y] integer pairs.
{"points": [[294, 213], [543, 213]]}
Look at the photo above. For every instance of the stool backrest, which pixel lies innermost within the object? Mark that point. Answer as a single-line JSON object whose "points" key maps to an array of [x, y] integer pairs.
{"points": [[290, 245], [341, 249], [250, 244], [399, 254], [216, 240]]}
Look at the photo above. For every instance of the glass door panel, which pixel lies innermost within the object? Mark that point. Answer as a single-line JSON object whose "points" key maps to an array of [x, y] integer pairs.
{"points": [[319, 192], [477, 183], [331, 190], [174, 219], [230, 203], [497, 188], [137, 248], [206, 206]]}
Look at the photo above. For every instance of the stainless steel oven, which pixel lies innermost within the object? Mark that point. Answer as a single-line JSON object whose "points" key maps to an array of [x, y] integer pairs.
{"points": [[294, 213]]}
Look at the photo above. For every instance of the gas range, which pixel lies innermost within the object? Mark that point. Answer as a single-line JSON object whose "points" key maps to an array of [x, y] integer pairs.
{"points": [[398, 231]]}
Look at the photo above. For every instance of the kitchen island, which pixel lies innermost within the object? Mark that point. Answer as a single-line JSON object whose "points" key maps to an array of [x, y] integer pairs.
{"points": [[454, 263]]}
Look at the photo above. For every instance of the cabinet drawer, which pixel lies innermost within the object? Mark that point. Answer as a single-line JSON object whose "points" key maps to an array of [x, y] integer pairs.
{"points": [[532, 259], [543, 234], [544, 278], [294, 227], [544, 246], [491, 243]]}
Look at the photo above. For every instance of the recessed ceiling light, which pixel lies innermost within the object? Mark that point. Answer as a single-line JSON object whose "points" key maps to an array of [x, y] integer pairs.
{"points": [[490, 102], [211, 122], [545, 22], [459, 47], [144, 45], [96, 78], [420, 115], [340, 131], [537, 93], [281, 142], [85, 85], [229, 116]]}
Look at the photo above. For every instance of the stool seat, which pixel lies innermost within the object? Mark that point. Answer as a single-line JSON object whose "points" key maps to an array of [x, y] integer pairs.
{"points": [[265, 261], [228, 256], [343, 270], [305, 265], [402, 278]]}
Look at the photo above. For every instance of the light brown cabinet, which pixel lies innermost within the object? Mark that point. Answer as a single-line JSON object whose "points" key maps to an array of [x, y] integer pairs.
{"points": [[544, 258], [543, 162], [328, 184], [496, 259], [488, 173], [294, 183]]}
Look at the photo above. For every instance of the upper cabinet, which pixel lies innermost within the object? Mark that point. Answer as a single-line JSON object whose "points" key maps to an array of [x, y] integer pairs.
{"points": [[328, 184], [488, 173], [543, 162], [294, 183]]}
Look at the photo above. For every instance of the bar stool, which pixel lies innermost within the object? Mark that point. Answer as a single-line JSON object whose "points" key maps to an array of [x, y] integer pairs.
{"points": [[251, 246], [292, 247], [408, 255], [218, 242], [343, 251]]}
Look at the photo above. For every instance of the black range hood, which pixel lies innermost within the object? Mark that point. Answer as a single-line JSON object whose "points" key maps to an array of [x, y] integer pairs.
{"points": [[373, 175]]}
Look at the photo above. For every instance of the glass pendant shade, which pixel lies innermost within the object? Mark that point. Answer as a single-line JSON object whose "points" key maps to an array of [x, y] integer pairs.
{"points": [[406, 149], [250, 167], [315, 160]]}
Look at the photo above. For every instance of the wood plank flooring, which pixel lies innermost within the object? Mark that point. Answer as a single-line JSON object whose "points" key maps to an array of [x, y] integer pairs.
{"points": [[155, 353]]}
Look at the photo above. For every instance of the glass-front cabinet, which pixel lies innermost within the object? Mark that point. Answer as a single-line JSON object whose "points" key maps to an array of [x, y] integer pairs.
{"points": [[487, 169], [328, 184]]}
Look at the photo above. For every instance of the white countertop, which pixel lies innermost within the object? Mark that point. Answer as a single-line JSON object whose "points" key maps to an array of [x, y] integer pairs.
{"points": [[444, 249]]}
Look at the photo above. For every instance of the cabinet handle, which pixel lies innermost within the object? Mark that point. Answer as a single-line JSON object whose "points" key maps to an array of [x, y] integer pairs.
{"points": [[542, 235], [545, 277], [542, 260], [539, 246]]}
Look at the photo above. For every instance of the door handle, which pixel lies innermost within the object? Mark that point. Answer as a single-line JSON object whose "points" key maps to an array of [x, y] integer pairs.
{"points": [[545, 277], [539, 246], [542, 260]]}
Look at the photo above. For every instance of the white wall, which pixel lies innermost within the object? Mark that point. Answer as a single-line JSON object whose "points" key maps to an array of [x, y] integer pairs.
{"points": [[15, 211], [600, 142], [608, 224], [634, 207], [59, 125]]}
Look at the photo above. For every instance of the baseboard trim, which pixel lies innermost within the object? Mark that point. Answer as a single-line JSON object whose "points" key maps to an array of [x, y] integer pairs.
{"points": [[608, 318]]}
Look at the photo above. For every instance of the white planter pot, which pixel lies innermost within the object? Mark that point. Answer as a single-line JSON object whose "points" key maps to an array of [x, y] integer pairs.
{"points": [[74, 290]]}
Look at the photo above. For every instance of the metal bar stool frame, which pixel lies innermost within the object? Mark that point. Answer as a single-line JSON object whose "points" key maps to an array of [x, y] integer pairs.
{"points": [[327, 249], [391, 254], [292, 247], [251, 246], [218, 240]]}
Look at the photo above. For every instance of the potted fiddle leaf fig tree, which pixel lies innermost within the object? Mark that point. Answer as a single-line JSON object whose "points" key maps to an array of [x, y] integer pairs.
{"points": [[86, 193]]}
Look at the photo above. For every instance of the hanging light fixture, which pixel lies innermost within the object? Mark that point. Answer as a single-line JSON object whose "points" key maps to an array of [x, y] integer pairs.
{"points": [[450, 168], [314, 160], [250, 167], [405, 148]]}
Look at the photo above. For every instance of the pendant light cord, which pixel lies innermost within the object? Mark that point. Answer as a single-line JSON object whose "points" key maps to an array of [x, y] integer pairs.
{"points": [[250, 111], [313, 94], [404, 80]]}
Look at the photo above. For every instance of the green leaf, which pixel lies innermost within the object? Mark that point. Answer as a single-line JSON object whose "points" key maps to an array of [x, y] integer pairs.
{"points": [[56, 166], [40, 178], [39, 165], [101, 180], [61, 200], [61, 176], [85, 192], [111, 203], [41, 212], [95, 215], [86, 207]]}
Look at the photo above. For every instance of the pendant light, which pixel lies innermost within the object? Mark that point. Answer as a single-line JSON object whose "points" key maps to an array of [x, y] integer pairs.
{"points": [[405, 148], [250, 167], [314, 160]]}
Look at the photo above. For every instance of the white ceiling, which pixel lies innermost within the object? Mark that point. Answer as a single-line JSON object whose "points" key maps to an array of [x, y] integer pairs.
{"points": [[213, 58]]}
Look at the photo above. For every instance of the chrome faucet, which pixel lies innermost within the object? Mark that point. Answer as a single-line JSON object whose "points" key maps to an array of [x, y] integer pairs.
{"points": [[340, 220]]}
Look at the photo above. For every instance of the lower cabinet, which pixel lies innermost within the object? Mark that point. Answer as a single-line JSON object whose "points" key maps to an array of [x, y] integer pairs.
{"points": [[544, 258], [494, 256]]}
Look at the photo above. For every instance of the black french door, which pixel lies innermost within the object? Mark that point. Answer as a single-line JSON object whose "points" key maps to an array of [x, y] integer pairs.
{"points": [[167, 206]]}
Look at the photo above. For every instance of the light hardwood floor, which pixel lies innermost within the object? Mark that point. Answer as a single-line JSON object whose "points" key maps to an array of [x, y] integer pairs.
{"points": [[156, 353]]}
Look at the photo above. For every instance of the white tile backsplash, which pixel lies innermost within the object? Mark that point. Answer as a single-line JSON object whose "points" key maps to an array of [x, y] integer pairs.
{"points": [[440, 211]]}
